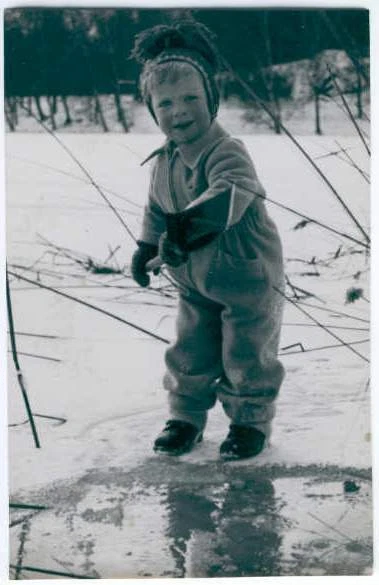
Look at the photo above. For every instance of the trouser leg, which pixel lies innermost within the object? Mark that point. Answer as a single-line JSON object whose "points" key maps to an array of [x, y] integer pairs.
{"points": [[253, 373], [194, 360]]}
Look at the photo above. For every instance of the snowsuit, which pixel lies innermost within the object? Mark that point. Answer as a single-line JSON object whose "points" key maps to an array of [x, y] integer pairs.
{"points": [[230, 310]]}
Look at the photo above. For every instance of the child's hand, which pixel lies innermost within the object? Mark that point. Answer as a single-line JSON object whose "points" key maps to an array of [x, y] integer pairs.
{"points": [[141, 257], [171, 253]]}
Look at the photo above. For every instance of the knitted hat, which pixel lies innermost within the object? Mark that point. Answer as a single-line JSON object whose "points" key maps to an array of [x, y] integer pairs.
{"points": [[189, 43]]}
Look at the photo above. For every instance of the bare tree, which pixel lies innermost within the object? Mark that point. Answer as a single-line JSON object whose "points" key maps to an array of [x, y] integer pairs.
{"points": [[268, 74], [115, 79], [352, 49], [41, 114], [85, 24], [316, 72], [68, 119], [8, 111]]}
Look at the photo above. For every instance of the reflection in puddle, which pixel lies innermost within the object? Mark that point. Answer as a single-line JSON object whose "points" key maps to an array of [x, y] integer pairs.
{"points": [[225, 531], [259, 527], [180, 520]]}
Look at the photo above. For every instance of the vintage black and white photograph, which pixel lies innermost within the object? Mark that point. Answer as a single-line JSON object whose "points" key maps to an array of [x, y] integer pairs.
{"points": [[188, 291]]}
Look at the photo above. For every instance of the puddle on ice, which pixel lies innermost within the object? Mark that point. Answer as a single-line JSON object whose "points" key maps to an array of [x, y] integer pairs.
{"points": [[191, 521]]}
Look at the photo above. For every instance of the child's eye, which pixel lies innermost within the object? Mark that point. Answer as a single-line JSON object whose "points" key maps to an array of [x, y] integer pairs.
{"points": [[164, 104], [190, 98]]}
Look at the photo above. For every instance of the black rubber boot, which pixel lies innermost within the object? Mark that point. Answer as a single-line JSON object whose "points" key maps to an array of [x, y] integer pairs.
{"points": [[241, 443], [177, 437]]}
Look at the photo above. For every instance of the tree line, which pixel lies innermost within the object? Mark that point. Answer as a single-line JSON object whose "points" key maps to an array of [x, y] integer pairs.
{"points": [[73, 51], [60, 52]]}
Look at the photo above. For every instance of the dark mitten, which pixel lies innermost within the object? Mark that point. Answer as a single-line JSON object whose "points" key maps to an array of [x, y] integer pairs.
{"points": [[170, 253], [141, 257]]}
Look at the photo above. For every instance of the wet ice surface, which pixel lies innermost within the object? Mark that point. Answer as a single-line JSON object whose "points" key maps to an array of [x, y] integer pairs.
{"points": [[171, 518], [115, 511]]}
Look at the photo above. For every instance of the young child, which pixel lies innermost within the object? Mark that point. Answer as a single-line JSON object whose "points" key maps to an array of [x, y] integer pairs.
{"points": [[229, 280]]}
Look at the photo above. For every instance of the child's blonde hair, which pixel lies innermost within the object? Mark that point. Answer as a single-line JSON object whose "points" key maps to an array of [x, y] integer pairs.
{"points": [[154, 74]]}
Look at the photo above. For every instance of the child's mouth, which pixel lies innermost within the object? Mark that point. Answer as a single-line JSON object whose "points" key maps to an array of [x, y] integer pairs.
{"points": [[183, 126]]}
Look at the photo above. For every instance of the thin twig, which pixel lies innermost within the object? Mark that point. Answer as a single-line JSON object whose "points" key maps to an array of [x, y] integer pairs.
{"points": [[331, 527], [77, 286], [20, 568], [348, 160], [294, 345], [25, 529], [42, 335], [17, 364], [111, 253], [286, 324], [305, 293], [348, 110], [90, 306], [45, 271], [29, 516], [62, 276], [58, 418], [92, 181], [82, 179], [86, 261], [66, 252], [315, 221], [325, 262], [329, 153], [353, 163], [291, 286], [330, 310], [344, 343], [21, 506], [37, 356]]}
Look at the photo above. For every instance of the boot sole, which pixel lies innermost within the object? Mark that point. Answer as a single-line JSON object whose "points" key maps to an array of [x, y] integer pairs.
{"points": [[183, 450], [236, 457]]}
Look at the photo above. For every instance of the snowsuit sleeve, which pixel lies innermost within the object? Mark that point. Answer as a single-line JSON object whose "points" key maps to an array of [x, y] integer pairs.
{"points": [[154, 219], [230, 170]]}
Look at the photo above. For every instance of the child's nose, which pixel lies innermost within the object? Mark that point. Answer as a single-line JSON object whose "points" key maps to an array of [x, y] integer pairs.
{"points": [[179, 108]]}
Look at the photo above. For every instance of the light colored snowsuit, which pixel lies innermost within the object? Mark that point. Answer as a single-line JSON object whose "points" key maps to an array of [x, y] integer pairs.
{"points": [[230, 312]]}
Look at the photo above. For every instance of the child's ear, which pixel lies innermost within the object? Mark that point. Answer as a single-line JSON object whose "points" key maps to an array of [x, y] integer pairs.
{"points": [[151, 110]]}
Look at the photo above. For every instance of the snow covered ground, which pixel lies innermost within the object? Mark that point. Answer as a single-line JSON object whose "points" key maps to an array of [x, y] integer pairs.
{"points": [[115, 509]]}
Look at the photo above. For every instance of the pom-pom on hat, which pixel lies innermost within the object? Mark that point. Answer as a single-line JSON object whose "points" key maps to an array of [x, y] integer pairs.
{"points": [[185, 42]]}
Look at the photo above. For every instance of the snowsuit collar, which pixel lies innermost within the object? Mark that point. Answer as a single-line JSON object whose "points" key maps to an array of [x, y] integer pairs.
{"points": [[191, 154], [191, 157]]}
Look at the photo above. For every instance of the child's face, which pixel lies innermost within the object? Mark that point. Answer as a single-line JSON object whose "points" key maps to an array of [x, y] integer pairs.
{"points": [[181, 108]]}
